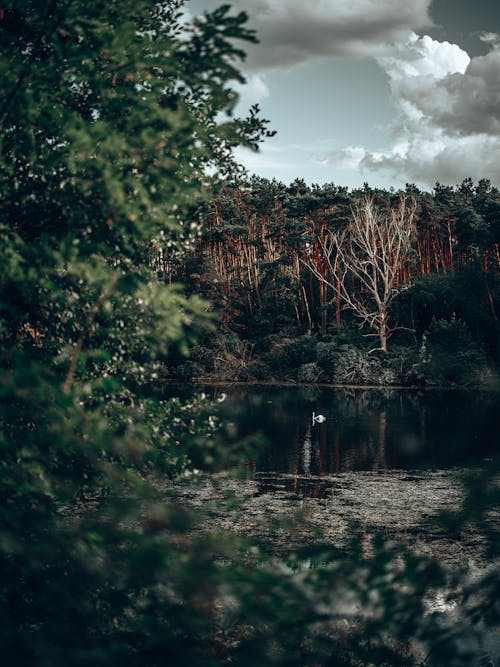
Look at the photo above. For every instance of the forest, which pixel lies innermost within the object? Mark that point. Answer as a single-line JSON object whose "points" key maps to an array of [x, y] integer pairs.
{"points": [[135, 251], [277, 263]]}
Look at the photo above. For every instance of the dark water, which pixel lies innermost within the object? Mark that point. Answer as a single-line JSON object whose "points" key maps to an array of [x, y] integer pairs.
{"points": [[375, 429]]}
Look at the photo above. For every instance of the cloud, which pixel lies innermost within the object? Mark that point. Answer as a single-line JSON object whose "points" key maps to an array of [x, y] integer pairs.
{"points": [[343, 158], [448, 123], [435, 157], [467, 103], [438, 81], [271, 160], [449, 114], [423, 57], [291, 32], [253, 91]]}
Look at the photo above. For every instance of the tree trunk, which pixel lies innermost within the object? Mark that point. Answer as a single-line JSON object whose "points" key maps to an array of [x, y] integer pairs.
{"points": [[383, 332]]}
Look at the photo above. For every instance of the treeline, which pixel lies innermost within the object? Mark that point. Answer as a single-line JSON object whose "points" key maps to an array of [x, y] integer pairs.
{"points": [[262, 260]]}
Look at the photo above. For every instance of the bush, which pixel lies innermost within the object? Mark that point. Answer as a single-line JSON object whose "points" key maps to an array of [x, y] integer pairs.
{"points": [[289, 355], [346, 333], [327, 357], [449, 354], [257, 370], [109, 126], [231, 357], [355, 367], [309, 373], [346, 364]]}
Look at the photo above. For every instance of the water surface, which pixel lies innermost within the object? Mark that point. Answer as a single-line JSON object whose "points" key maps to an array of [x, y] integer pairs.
{"points": [[364, 429]]}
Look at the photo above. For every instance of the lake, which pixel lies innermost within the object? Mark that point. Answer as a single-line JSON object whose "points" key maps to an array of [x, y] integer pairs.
{"points": [[388, 461], [364, 429]]}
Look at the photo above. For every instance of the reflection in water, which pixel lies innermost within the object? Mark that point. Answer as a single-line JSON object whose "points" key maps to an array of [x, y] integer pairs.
{"points": [[306, 451], [378, 430], [366, 429], [380, 460]]}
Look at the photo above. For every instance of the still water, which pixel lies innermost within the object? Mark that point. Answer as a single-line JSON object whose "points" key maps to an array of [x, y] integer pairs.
{"points": [[374, 429]]}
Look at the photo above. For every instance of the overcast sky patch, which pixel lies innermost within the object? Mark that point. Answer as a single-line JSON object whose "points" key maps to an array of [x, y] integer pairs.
{"points": [[449, 125], [291, 32], [417, 107]]}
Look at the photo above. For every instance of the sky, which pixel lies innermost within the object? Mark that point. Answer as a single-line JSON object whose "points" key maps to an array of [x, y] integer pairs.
{"points": [[386, 92]]}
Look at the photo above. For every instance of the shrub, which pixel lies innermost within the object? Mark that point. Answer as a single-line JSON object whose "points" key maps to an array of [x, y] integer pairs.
{"points": [[346, 364], [257, 370], [449, 354], [231, 357], [309, 373], [327, 357], [354, 366], [292, 353]]}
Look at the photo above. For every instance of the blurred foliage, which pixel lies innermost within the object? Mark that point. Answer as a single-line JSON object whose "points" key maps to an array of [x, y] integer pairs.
{"points": [[113, 115], [116, 124]]}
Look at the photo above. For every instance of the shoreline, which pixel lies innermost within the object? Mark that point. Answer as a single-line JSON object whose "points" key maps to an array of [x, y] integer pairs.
{"points": [[494, 387]]}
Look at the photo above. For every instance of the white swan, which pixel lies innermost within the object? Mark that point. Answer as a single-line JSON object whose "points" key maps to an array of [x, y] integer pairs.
{"points": [[318, 419]]}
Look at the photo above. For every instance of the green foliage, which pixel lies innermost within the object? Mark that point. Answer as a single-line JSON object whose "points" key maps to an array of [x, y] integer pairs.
{"points": [[248, 261], [286, 356], [449, 354], [309, 373], [348, 364], [112, 114], [257, 370], [468, 293], [327, 355]]}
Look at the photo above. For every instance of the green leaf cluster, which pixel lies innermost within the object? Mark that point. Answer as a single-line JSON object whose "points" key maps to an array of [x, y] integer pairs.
{"points": [[115, 119]]}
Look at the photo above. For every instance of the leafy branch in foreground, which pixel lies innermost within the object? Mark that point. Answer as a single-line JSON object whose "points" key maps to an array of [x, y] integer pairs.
{"points": [[110, 126]]}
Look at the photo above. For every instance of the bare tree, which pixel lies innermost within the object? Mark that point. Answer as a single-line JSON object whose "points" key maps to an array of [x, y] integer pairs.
{"points": [[366, 264]]}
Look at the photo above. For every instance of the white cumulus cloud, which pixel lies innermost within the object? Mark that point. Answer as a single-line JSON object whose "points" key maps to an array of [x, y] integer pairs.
{"points": [[423, 57], [449, 122], [465, 103], [433, 157]]}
